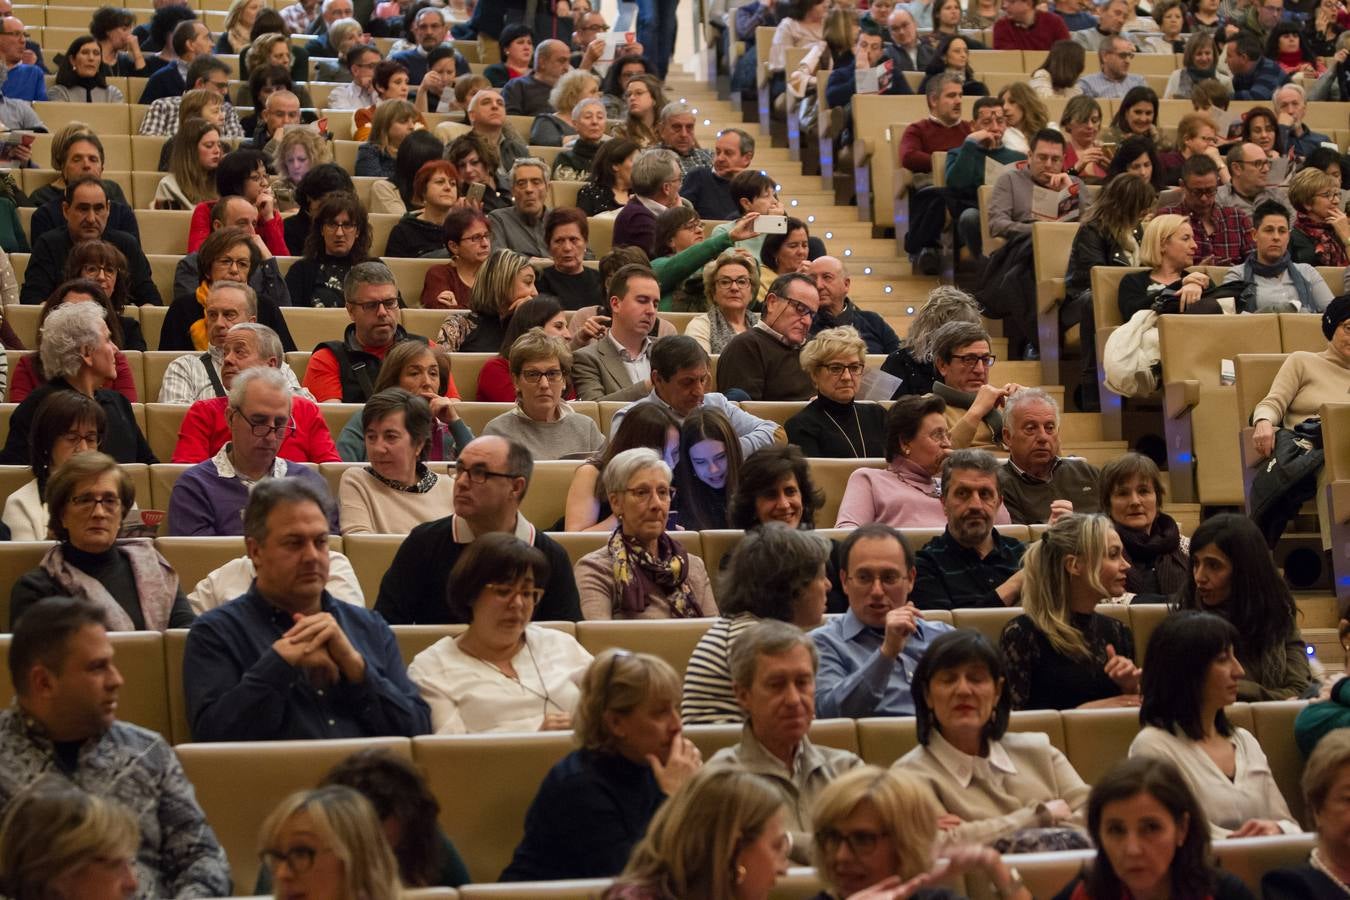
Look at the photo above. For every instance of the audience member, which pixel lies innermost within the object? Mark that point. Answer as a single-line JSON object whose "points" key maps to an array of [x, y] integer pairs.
{"points": [[904, 49], [731, 286], [77, 151], [708, 187], [905, 493], [1324, 787], [29, 373], [576, 286], [1282, 285], [1193, 673], [190, 42], [835, 360], [467, 237], [484, 679], [763, 361], [588, 507], [520, 227], [776, 572], [618, 366], [1321, 230], [504, 282], [1061, 652], [943, 130], [838, 309], [912, 361], [191, 377], [707, 468], [337, 830], [210, 499], [1234, 577], [1169, 247], [655, 187], [338, 242], [1254, 76], [587, 121], [358, 93], [64, 720], [487, 114], [1058, 75], [67, 423], [424, 372], [1115, 52], [1246, 189], [1039, 485], [608, 184], [773, 669], [1024, 27], [961, 354], [541, 366], [1131, 493], [495, 382], [869, 52], [1013, 791], [390, 83], [528, 94], [596, 802], [133, 585]]}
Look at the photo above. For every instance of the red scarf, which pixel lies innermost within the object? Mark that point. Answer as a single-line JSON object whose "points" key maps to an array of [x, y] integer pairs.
{"points": [[1330, 250]]}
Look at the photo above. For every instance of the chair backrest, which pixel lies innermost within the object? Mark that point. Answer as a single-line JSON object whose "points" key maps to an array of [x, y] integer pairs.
{"points": [[370, 556], [1300, 331], [1254, 373], [1193, 346], [193, 558], [673, 640], [1105, 291]]}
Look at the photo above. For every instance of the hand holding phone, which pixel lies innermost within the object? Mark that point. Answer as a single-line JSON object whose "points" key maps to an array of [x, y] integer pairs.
{"points": [[476, 191], [771, 225]]}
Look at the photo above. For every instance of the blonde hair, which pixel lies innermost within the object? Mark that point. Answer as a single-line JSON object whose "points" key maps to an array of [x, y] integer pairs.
{"points": [[736, 256], [259, 52], [51, 829], [619, 681], [195, 102], [566, 94], [535, 345], [490, 294], [691, 844], [319, 150], [1329, 758], [1192, 124], [386, 114], [1307, 184], [906, 807], [830, 343], [1035, 115], [1047, 585], [348, 822], [67, 135], [1157, 232], [235, 12]]}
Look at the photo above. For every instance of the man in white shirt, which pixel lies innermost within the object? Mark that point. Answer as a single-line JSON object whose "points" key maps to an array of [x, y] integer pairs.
{"points": [[359, 93], [617, 366]]}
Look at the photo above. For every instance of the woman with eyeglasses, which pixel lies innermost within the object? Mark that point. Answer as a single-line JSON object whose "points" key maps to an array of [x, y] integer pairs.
{"points": [[1196, 136], [87, 498], [874, 839], [229, 254], [595, 803], [1321, 231], [642, 572], [495, 382], [503, 673], [645, 98], [422, 371], [30, 372], [396, 491], [67, 423], [834, 424], [106, 266], [339, 240], [681, 250], [541, 369], [329, 843], [467, 236]]}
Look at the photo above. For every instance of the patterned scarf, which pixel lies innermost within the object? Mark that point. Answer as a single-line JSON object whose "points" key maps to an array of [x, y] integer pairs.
{"points": [[156, 583], [197, 330], [1330, 251], [720, 332], [637, 574]]}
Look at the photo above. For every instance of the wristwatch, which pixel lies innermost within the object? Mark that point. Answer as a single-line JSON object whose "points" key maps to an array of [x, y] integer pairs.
{"points": [[1014, 887]]}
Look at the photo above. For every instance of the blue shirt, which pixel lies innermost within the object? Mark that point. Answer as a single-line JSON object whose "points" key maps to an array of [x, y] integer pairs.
{"points": [[239, 689], [1261, 82], [26, 82], [854, 680], [1098, 85], [1079, 21]]}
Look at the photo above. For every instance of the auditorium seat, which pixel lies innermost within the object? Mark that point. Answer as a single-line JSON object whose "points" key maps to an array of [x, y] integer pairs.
{"points": [[1250, 858], [883, 740], [193, 558], [370, 556], [477, 415], [152, 317], [579, 543], [1144, 617], [1303, 331], [239, 784], [546, 499], [1253, 375], [311, 327], [670, 639], [1272, 723], [574, 889], [163, 423], [1050, 245], [163, 476], [831, 476], [465, 367]]}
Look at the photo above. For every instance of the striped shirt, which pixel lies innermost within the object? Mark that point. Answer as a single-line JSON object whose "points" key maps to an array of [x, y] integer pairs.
{"points": [[709, 698]]}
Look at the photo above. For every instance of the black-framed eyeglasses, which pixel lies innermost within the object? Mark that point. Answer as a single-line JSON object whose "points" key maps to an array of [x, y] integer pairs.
{"points": [[282, 430], [971, 360], [371, 307], [860, 843], [87, 502], [837, 370], [534, 376], [298, 859], [479, 474], [800, 309]]}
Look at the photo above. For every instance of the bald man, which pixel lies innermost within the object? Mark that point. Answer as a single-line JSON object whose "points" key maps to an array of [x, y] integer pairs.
{"points": [[837, 310], [282, 109], [23, 81], [528, 94]]}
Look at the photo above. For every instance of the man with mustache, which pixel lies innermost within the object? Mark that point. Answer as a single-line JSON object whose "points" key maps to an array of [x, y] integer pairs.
{"points": [[868, 654], [970, 564]]}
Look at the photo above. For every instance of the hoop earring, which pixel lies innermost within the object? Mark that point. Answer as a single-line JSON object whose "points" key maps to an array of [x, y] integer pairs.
{"points": [[740, 874]]}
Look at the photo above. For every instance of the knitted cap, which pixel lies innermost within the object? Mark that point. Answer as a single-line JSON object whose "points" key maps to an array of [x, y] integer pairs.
{"points": [[1336, 313]]}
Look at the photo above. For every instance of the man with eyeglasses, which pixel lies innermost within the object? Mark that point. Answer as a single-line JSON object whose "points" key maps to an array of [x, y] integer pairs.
{"points": [[1222, 233], [1282, 285], [205, 73], [260, 414], [970, 564], [1291, 105], [346, 370], [868, 655], [86, 210], [763, 361], [191, 40], [288, 660], [1254, 76], [64, 723], [1038, 485], [358, 93], [1247, 188], [430, 31], [964, 362], [23, 81], [1111, 19], [1114, 80], [281, 109], [655, 187], [491, 476], [618, 365], [837, 310], [905, 50]]}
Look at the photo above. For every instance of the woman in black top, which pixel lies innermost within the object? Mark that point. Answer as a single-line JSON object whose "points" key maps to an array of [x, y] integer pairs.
{"points": [[318, 182], [339, 239], [227, 254], [576, 286], [610, 179], [1168, 248], [1061, 652], [1326, 784], [835, 424], [595, 803], [952, 56], [1146, 802], [1131, 493]]}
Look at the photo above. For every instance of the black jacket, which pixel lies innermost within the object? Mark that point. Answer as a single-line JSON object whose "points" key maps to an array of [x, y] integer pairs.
{"points": [[357, 369], [47, 266], [1091, 247], [123, 440]]}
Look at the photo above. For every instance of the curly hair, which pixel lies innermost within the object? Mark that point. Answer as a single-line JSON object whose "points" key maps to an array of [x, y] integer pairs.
{"points": [[332, 206]]}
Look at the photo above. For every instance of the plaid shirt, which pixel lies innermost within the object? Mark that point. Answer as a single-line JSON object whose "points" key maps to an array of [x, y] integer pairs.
{"points": [[1231, 241], [950, 576], [297, 20], [162, 119]]}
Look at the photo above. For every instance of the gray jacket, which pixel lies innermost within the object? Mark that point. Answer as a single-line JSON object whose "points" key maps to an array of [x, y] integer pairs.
{"points": [[1010, 205]]}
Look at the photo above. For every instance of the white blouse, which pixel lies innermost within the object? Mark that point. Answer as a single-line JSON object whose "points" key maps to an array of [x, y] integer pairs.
{"points": [[1251, 794], [26, 514], [468, 695]]}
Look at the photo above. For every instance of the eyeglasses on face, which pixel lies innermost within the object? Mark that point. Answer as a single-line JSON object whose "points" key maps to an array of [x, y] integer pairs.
{"points": [[645, 493], [837, 370], [264, 429], [340, 226], [371, 307], [725, 283], [87, 502], [866, 578], [508, 592], [88, 438], [800, 309], [479, 474], [1202, 192], [860, 842], [534, 376], [299, 859], [93, 270], [971, 360]]}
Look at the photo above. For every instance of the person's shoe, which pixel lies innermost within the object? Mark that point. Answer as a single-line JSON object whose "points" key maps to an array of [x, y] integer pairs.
{"points": [[928, 262], [1086, 399], [1031, 354]]}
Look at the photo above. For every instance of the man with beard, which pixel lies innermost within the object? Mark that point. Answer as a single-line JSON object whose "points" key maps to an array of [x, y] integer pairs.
{"points": [[970, 564]]}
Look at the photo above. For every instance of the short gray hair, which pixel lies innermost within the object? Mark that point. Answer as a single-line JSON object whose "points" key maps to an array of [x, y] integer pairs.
{"points": [[529, 161], [1291, 86], [369, 272], [939, 81], [971, 460], [250, 295], [267, 375], [1026, 397], [769, 637], [674, 108], [947, 339], [946, 303], [653, 168], [70, 330], [621, 469], [338, 30], [1108, 44], [747, 139], [269, 345], [585, 102]]}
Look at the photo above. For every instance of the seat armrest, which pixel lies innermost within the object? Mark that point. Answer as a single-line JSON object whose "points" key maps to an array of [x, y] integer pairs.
{"points": [[1180, 397], [1049, 294]]}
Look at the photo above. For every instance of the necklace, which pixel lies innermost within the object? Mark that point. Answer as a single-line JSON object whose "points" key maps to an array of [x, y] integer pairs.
{"points": [[544, 696], [856, 421], [1315, 860]]}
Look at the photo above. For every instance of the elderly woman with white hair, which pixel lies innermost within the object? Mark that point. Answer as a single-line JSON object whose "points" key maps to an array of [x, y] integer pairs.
{"points": [[578, 159], [541, 368], [835, 424], [78, 354], [553, 129], [642, 572]]}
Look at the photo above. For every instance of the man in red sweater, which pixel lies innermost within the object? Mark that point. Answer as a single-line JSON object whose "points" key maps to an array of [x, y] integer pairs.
{"points": [[205, 429], [942, 130], [1023, 28]]}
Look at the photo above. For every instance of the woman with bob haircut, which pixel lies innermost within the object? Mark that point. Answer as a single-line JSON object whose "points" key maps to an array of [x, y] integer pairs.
{"points": [[1233, 576], [296, 152], [1326, 785], [434, 192], [642, 572], [542, 422], [1168, 249], [1321, 230], [1198, 61], [1081, 124], [874, 839], [396, 194], [67, 423], [723, 834], [466, 235], [1021, 794], [503, 673], [423, 371], [776, 572], [595, 803], [1131, 493], [339, 239], [29, 373], [1192, 675], [504, 282], [836, 360], [328, 842], [58, 842], [1137, 114], [731, 287], [1151, 839], [649, 425], [1062, 653], [1058, 75], [393, 121]]}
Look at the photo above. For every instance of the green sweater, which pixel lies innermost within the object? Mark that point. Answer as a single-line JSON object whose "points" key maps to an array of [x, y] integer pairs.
{"points": [[965, 167], [673, 271], [1317, 720]]}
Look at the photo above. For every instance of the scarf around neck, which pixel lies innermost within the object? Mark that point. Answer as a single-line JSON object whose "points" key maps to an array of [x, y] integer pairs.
{"points": [[197, 330], [1277, 270], [720, 331], [637, 574], [1330, 251], [156, 583]]}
